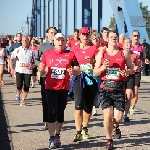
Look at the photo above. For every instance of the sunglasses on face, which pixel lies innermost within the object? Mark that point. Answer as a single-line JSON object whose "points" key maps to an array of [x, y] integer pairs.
{"points": [[97, 39], [136, 35]]}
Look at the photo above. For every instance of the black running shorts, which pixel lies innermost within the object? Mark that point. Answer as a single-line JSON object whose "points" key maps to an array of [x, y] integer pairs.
{"points": [[137, 79], [130, 82], [115, 99]]}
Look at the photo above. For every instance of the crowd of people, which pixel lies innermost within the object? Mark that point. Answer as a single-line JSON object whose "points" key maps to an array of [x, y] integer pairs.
{"points": [[95, 70]]}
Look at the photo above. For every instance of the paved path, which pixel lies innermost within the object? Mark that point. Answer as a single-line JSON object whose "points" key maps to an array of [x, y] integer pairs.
{"points": [[25, 125]]}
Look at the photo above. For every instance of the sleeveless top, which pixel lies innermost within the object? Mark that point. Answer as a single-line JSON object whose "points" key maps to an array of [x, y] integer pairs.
{"points": [[117, 63], [139, 51]]}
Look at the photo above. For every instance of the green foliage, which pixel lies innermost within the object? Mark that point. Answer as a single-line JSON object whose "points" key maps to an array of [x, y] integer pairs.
{"points": [[112, 24], [146, 16]]}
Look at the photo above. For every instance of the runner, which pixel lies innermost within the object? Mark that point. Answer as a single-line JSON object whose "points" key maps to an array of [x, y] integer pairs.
{"points": [[24, 57], [95, 39], [130, 81], [13, 46], [104, 38], [121, 40], [138, 49], [84, 94], [60, 65], [2, 62], [75, 39], [34, 48], [110, 64], [49, 44]]}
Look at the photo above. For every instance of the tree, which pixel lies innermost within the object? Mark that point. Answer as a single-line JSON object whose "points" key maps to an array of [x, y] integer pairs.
{"points": [[146, 16], [112, 24]]}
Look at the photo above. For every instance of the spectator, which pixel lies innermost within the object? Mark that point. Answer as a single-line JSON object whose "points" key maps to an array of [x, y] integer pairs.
{"points": [[146, 63]]}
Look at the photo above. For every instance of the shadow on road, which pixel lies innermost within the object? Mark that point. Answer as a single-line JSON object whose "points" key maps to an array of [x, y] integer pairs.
{"points": [[5, 143]]}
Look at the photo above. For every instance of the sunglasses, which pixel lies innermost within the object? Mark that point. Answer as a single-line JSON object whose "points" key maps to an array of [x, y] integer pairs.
{"points": [[97, 39], [136, 35]]}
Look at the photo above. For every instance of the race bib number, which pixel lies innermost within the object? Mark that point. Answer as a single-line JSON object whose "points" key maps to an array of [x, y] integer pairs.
{"points": [[136, 52], [112, 73], [86, 67], [58, 73], [25, 65]]}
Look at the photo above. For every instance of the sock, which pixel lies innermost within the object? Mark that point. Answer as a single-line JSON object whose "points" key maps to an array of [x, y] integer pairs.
{"points": [[78, 132], [85, 128]]}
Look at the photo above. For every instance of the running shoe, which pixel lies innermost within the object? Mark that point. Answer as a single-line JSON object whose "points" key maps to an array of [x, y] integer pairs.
{"points": [[45, 127], [17, 98], [57, 141], [117, 133], [109, 145], [77, 137], [52, 143], [132, 110], [126, 119], [85, 134], [22, 104], [94, 112]]}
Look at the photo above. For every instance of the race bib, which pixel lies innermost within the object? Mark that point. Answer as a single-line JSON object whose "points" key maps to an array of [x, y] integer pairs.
{"points": [[86, 67], [58, 73], [25, 65], [112, 73], [136, 52]]}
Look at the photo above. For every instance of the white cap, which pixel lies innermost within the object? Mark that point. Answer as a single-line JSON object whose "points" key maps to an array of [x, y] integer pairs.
{"points": [[59, 35]]}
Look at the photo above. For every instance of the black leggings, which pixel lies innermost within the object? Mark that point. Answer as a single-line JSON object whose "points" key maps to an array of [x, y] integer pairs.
{"points": [[21, 79], [57, 100], [44, 100]]}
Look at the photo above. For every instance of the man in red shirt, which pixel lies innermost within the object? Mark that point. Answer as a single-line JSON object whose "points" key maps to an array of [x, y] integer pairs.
{"points": [[58, 64], [110, 65], [75, 40], [103, 40]]}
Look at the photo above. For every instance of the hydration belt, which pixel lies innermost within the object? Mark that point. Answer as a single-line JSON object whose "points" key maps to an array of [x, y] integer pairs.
{"points": [[113, 85]]}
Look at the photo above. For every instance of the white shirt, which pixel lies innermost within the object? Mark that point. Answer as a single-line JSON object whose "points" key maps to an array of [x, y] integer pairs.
{"points": [[23, 64], [2, 56]]}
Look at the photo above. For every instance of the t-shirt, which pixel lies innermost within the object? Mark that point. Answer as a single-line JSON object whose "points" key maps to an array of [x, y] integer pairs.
{"points": [[24, 60], [58, 77], [73, 42], [103, 43]]}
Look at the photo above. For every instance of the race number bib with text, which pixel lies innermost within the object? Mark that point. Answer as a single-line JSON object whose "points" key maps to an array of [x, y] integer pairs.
{"points": [[58, 73], [112, 73], [25, 65], [86, 67]]}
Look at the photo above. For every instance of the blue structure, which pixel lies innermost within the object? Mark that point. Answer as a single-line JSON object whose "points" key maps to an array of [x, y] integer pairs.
{"points": [[129, 17], [67, 15]]}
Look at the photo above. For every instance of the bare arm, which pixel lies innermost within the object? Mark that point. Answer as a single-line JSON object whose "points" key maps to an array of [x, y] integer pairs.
{"points": [[98, 69], [144, 53], [42, 69], [128, 63]]}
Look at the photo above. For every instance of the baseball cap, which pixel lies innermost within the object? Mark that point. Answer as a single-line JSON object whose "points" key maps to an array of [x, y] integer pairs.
{"points": [[59, 35], [84, 30]]}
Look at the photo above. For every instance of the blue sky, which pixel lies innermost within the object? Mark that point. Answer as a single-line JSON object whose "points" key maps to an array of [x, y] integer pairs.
{"points": [[13, 14]]}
